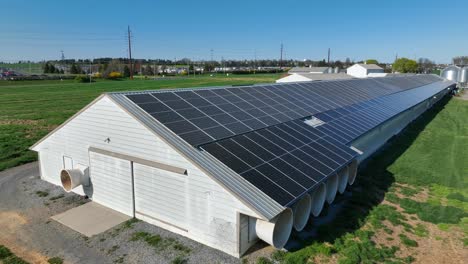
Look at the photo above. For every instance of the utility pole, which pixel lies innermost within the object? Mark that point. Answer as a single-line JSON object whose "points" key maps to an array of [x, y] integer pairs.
{"points": [[211, 52], [90, 70], [130, 52], [328, 61], [255, 61], [281, 56]]}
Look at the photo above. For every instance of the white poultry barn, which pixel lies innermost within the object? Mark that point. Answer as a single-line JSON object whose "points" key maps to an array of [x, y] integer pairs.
{"points": [[228, 166]]}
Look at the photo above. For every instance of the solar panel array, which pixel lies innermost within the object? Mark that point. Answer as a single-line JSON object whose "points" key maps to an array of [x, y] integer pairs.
{"points": [[284, 160], [201, 116], [259, 132], [348, 123]]}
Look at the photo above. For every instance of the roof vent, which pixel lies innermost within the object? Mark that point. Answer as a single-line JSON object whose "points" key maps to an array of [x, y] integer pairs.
{"points": [[314, 122]]}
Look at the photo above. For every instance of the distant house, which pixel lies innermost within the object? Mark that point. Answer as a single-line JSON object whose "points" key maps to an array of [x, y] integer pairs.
{"points": [[365, 70], [307, 77], [317, 70]]}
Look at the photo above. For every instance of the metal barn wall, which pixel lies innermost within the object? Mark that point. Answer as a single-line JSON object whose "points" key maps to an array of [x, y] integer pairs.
{"points": [[211, 210], [357, 71], [377, 137]]}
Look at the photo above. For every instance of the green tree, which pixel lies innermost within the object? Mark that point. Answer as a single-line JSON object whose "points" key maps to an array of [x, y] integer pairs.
{"points": [[46, 68], [404, 65], [126, 71], [74, 69], [51, 68], [372, 61]]}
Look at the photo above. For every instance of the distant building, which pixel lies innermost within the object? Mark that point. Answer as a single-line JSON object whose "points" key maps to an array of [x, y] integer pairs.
{"points": [[317, 70], [365, 70], [307, 77]]}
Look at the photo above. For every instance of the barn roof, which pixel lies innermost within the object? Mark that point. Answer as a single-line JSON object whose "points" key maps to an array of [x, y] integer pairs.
{"points": [[308, 69], [256, 141], [370, 66]]}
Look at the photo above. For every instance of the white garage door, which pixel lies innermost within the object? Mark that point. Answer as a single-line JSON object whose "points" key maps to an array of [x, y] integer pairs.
{"points": [[112, 182], [160, 195]]}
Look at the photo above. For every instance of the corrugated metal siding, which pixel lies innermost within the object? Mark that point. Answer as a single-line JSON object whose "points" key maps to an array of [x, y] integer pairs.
{"points": [[209, 205], [112, 182], [241, 188]]}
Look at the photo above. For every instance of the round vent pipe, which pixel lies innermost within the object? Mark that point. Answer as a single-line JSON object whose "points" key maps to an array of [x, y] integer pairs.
{"points": [[301, 212], [318, 199], [277, 231], [72, 178], [352, 170], [343, 177], [332, 187]]}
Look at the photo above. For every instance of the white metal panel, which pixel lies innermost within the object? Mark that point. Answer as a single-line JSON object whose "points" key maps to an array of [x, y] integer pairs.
{"points": [[161, 195], [51, 165], [111, 179], [67, 163]]}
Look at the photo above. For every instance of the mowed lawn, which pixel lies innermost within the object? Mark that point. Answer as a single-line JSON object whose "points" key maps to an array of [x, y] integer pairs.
{"points": [[30, 109], [409, 204]]}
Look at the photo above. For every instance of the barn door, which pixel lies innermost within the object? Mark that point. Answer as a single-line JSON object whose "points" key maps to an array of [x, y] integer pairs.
{"points": [[111, 179], [160, 195]]}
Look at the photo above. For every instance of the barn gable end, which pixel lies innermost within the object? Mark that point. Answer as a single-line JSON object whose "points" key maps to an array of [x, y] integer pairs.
{"points": [[193, 205]]}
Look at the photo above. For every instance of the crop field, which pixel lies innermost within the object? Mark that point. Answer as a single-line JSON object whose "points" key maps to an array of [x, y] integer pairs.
{"points": [[30, 109], [409, 204]]}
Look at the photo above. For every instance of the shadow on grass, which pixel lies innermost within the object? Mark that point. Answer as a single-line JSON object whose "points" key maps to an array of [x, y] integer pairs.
{"points": [[347, 214]]}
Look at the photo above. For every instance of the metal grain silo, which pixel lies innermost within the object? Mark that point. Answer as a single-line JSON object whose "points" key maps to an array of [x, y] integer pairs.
{"points": [[450, 73], [463, 75]]}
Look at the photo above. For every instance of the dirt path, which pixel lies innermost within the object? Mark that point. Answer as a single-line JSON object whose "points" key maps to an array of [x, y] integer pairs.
{"points": [[24, 220]]}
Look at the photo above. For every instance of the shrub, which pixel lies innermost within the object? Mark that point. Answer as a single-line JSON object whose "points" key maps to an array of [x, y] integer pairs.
{"points": [[83, 78], [114, 75]]}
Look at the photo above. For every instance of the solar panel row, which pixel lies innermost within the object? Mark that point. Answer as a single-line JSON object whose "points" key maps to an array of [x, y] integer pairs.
{"points": [[206, 115], [348, 123], [285, 160]]}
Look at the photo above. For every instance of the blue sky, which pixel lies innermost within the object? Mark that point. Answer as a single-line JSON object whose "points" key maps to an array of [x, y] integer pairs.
{"points": [[360, 29]]}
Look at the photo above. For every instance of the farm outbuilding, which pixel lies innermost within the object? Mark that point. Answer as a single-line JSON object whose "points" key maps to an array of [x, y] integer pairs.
{"points": [[359, 70], [228, 166]]}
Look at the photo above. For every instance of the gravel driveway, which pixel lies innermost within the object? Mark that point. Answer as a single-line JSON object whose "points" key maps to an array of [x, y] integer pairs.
{"points": [[27, 203]]}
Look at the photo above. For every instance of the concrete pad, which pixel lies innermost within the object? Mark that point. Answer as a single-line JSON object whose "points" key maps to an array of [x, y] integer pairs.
{"points": [[91, 218]]}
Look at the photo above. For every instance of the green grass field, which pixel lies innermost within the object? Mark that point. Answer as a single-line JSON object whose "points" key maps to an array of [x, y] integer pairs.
{"points": [[410, 203], [31, 68], [30, 109]]}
